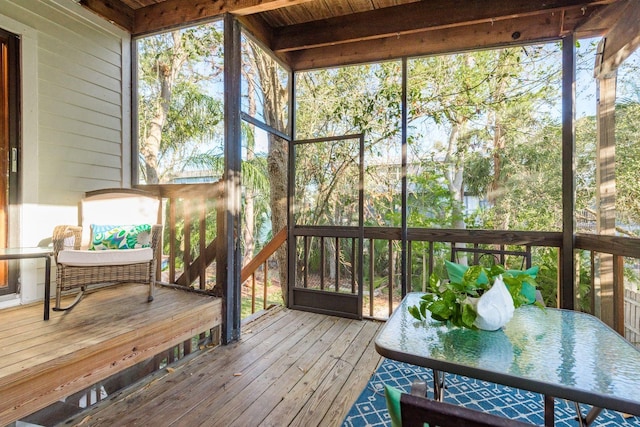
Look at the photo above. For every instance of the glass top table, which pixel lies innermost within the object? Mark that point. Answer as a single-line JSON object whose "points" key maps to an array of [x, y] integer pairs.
{"points": [[558, 353]]}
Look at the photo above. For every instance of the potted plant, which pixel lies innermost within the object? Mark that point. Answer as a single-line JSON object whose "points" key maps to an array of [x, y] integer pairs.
{"points": [[477, 297]]}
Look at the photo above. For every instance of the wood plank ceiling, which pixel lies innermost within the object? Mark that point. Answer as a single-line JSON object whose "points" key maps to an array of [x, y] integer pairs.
{"points": [[321, 33]]}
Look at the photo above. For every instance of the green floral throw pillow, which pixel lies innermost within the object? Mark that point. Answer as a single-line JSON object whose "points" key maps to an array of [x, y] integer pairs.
{"points": [[120, 236]]}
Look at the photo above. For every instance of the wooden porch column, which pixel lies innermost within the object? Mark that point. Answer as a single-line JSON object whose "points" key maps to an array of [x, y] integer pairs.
{"points": [[566, 280], [605, 192], [405, 261], [621, 41], [228, 254]]}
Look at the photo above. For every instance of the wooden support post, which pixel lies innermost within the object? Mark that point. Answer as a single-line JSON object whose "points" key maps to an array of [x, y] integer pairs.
{"points": [[392, 266], [186, 255], [622, 39], [228, 254], [202, 242], [567, 279], [605, 193], [265, 284], [618, 294], [337, 265], [172, 239], [405, 262], [253, 293], [372, 272]]}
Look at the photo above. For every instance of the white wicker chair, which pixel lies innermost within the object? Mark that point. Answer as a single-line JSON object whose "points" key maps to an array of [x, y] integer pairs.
{"points": [[114, 206]]}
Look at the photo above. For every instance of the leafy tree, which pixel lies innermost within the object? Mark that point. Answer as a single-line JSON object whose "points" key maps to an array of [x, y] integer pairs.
{"points": [[266, 78], [488, 106], [178, 112], [627, 167]]}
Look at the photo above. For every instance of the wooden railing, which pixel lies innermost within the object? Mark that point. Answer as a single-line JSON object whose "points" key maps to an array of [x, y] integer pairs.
{"points": [[427, 248], [611, 261], [426, 251], [191, 213], [261, 260], [190, 219]]}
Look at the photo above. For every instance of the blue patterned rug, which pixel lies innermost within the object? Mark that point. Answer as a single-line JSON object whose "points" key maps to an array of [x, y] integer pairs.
{"points": [[370, 409]]}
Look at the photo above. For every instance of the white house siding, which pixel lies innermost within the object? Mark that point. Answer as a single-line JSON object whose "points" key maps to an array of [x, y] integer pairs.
{"points": [[76, 117]]}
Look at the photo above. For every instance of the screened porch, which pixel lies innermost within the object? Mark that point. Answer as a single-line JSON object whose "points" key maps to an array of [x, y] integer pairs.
{"points": [[327, 158]]}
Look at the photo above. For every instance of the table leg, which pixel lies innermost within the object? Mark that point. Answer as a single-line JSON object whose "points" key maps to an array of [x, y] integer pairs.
{"points": [[585, 421], [47, 286], [592, 415], [438, 385], [549, 415]]}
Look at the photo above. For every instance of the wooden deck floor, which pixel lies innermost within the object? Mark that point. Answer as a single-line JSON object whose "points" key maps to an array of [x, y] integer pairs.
{"points": [[109, 331], [290, 368]]}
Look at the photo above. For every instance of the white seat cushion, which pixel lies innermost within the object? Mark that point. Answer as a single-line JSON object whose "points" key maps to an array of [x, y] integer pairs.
{"points": [[105, 257]]}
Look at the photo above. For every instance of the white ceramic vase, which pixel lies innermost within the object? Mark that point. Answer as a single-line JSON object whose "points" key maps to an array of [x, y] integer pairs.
{"points": [[495, 307]]}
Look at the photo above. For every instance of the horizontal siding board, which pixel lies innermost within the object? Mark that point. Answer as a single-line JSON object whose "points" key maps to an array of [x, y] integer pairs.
{"points": [[75, 187], [51, 75], [81, 100], [82, 66], [55, 140], [53, 20], [93, 163], [79, 113], [50, 120], [71, 111], [77, 171], [74, 45]]}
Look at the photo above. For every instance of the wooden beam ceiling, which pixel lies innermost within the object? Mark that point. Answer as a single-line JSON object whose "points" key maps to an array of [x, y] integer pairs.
{"points": [[177, 13], [622, 40], [113, 11], [602, 20], [406, 29], [411, 18], [442, 40]]}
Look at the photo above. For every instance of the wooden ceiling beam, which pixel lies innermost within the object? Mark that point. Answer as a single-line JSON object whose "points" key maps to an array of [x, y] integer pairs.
{"points": [[258, 28], [411, 18], [622, 39], [261, 31], [549, 26], [175, 13], [599, 23], [113, 11]]}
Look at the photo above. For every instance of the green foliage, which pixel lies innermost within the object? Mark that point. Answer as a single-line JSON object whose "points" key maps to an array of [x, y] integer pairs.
{"points": [[194, 230], [547, 278], [431, 204], [349, 100], [451, 301], [628, 163], [274, 297], [179, 112]]}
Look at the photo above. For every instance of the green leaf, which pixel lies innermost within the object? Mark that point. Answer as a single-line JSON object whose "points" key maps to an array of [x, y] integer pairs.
{"points": [[428, 297], [496, 270], [423, 308], [415, 312], [472, 274], [434, 282], [468, 315], [440, 310]]}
